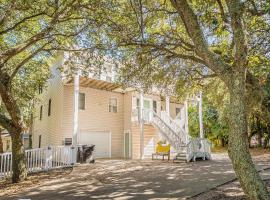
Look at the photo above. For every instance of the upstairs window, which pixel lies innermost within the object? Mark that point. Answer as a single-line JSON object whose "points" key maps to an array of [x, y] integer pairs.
{"points": [[49, 107], [113, 105], [40, 112], [82, 101], [8, 145], [40, 89]]}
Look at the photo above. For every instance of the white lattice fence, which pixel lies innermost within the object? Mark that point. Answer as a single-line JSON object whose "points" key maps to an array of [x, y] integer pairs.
{"points": [[41, 159]]}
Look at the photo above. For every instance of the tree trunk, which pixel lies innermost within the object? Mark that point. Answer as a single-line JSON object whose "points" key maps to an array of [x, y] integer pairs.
{"points": [[18, 158], [15, 127], [238, 150]]}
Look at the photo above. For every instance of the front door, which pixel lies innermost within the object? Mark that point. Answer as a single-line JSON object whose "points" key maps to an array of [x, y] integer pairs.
{"points": [[147, 112]]}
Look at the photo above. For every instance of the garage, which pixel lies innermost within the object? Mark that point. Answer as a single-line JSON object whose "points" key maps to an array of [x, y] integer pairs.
{"points": [[101, 139]]}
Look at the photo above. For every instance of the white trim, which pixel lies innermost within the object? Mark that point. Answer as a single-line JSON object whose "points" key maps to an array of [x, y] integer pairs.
{"points": [[75, 123]]}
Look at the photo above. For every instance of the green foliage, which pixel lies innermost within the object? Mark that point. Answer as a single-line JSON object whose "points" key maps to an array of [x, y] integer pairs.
{"points": [[32, 33], [215, 127], [193, 121]]}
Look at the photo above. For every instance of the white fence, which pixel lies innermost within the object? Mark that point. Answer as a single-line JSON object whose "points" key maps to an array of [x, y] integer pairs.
{"points": [[41, 159]]}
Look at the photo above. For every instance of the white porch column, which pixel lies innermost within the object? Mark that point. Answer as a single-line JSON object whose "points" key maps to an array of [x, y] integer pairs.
{"points": [[201, 116], [168, 105], [141, 126], [186, 120], [76, 109]]}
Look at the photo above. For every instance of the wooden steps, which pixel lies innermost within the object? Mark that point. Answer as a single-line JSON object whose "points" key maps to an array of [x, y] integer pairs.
{"points": [[180, 157]]}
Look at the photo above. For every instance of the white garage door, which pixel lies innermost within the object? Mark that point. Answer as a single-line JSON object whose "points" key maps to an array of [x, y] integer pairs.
{"points": [[100, 139]]}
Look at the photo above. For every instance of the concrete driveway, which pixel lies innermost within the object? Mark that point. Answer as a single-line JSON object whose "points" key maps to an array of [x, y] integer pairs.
{"points": [[133, 179]]}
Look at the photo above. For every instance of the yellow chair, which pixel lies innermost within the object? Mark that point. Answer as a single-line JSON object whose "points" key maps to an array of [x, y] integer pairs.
{"points": [[162, 150]]}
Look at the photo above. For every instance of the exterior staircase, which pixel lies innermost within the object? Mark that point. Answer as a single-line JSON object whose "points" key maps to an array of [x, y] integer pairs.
{"points": [[186, 148]]}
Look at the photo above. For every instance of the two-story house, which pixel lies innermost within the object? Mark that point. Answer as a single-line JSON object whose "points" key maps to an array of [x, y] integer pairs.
{"points": [[122, 123]]}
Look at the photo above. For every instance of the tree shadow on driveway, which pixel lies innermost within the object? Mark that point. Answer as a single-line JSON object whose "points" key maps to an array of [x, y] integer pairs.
{"points": [[133, 179]]}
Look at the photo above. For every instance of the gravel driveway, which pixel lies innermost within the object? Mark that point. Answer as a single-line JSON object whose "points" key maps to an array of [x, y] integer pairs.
{"points": [[130, 179]]}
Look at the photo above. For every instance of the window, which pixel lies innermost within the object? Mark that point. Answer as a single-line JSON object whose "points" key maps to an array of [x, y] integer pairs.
{"points": [[82, 101], [40, 89], [40, 112], [68, 141], [8, 145], [177, 110], [155, 106], [49, 107], [39, 141], [113, 105]]}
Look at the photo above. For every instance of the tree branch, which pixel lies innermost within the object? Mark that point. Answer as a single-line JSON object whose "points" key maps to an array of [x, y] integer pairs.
{"points": [[236, 9], [221, 8], [20, 22], [195, 32], [171, 52], [23, 62]]}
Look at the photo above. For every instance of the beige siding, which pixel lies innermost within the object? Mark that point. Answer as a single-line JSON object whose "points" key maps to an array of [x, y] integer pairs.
{"points": [[49, 126], [5, 141], [173, 107], [96, 116], [135, 140], [151, 138], [127, 110]]}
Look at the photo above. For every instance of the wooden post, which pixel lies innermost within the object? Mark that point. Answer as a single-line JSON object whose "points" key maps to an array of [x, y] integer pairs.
{"points": [[141, 126], [76, 109], [201, 116]]}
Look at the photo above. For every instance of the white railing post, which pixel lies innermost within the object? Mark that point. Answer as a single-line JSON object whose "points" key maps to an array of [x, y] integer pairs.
{"points": [[201, 116], [141, 126], [48, 157], [73, 154], [186, 121]]}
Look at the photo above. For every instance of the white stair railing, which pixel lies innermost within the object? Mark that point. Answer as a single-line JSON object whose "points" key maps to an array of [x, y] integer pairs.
{"points": [[166, 130], [176, 128], [198, 148], [176, 136]]}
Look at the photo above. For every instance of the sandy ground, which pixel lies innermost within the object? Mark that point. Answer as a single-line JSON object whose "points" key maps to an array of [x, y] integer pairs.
{"points": [[131, 179]]}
